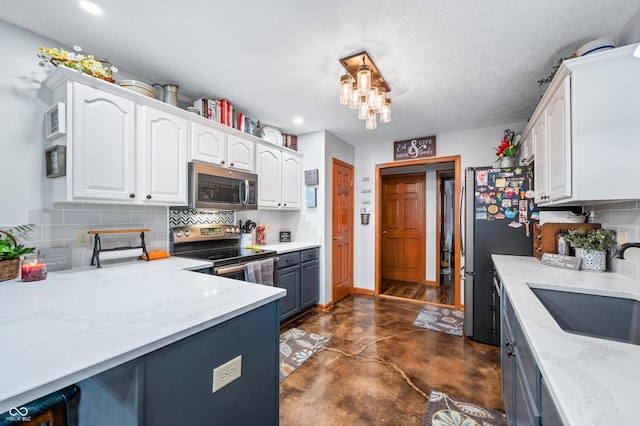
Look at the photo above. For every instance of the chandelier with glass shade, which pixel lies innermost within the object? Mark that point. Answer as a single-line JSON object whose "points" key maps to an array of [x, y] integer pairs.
{"points": [[364, 89]]}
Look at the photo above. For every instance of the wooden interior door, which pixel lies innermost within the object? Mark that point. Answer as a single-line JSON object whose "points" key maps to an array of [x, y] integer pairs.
{"points": [[342, 230], [403, 227]]}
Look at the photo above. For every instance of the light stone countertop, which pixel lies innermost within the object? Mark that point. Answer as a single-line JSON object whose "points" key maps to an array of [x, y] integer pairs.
{"points": [[592, 381], [289, 247], [81, 322]]}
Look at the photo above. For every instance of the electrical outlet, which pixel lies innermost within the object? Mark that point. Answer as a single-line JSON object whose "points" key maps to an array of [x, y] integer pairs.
{"points": [[622, 237], [82, 238], [226, 373]]}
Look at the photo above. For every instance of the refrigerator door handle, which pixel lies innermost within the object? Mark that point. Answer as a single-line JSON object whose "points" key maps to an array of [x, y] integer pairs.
{"points": [[460, 219]]}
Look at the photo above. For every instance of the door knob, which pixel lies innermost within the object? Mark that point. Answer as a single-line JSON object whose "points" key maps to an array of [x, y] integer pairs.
{"points": [[337, 238], [385, 232]]}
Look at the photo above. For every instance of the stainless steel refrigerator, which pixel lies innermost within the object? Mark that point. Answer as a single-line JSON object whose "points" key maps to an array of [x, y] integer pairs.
{"points": [[498, 208]]}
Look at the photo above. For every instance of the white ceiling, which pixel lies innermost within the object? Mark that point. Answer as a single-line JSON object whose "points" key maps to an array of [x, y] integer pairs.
{"points": [[451, 64]]}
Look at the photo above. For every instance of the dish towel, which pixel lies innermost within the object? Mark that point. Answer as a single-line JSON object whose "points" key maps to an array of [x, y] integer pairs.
{"points": [[266, 269], [253, 272]]}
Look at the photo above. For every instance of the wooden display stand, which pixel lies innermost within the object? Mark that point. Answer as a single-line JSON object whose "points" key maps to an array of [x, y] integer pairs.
{"points": [[544, 236], [118, 252]]}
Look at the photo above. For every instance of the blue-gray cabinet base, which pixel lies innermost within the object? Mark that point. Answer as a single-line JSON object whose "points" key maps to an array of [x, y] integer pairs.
{"points": [[178, 378], [299, 274]]}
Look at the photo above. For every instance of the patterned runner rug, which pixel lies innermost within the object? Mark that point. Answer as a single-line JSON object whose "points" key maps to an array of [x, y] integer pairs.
{"points": [[443, 409], [439, 318], [297, 346]]}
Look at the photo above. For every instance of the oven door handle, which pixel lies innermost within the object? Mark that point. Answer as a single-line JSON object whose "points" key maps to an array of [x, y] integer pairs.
{"points": [[224, 270], [228, 270]]}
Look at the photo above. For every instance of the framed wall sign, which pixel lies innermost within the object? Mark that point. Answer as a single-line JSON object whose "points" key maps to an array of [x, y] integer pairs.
{"points": [[56, 161], [414, 148], [311, 177]]}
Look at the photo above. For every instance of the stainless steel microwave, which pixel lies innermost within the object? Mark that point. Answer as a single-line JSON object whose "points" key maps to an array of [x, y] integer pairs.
{"points": [[215, 187]]}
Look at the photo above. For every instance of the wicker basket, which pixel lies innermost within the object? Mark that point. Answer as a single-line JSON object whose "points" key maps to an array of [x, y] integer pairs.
{"points": [[9, 269]]}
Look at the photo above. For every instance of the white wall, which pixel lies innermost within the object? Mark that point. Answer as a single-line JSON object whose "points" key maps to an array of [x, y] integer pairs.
{"points": [[476, 148], [21, 133]]}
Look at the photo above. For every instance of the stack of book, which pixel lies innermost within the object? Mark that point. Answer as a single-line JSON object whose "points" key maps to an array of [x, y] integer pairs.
{"points": [[221, 111], [291, 141]]}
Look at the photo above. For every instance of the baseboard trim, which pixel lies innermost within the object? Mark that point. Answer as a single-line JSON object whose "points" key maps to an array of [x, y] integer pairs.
{"points": [[368, 292], [324, 307]]}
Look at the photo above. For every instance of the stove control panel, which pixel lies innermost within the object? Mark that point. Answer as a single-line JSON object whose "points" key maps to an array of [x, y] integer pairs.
{"points": [[185, 234]]}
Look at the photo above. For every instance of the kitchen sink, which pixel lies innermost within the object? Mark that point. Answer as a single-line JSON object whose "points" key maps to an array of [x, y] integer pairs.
{"points": [[606, 317]]}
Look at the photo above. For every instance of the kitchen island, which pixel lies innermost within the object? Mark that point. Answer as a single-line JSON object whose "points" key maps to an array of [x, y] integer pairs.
{"points": [[80, 323], [590, 381]]}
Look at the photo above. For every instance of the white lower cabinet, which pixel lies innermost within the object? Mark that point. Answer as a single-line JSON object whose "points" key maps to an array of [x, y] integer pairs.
{"points": [[280, 175]]}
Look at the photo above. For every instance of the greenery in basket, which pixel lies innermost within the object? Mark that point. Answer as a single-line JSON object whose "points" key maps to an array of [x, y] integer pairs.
{"points": [[593, 239], [11, 251]]}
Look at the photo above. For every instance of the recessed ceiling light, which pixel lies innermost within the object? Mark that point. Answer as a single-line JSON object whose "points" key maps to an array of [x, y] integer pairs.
{"points": [[92, 8], [298, 120]]}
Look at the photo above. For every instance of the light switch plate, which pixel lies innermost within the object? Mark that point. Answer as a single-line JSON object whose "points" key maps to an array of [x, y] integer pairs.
{"points": [[226, 373]]}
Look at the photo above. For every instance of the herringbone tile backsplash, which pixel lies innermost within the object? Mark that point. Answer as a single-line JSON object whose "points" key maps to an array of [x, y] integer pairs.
{"points": [[187, 217]]}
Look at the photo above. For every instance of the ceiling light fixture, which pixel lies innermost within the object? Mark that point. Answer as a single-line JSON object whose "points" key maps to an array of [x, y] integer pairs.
{"points": [[363, 88], [92, 8]]}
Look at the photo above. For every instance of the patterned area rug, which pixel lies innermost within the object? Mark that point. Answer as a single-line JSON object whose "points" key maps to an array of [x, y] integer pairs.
{"points": [[297, 346], [444, 410], [442, 319]]}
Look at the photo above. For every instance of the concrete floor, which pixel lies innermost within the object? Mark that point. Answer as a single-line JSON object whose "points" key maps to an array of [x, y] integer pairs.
{"points": [[379, 370]]}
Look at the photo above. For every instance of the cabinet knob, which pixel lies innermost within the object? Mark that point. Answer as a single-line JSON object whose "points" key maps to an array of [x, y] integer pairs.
{"points": [[222, 162], [132, 195], [231, 164], [285, 204], [510, 353], [279, 204], [148, 196]]}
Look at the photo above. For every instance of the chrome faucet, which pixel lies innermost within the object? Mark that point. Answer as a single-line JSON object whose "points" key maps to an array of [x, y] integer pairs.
{"points": [[619, 254]]}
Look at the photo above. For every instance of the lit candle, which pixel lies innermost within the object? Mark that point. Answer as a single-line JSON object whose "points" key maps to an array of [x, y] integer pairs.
{"points": [[34, 268]]}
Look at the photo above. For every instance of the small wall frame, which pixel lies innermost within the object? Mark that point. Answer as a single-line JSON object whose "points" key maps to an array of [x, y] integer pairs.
{"points": [[55, 121], [56, 161]]}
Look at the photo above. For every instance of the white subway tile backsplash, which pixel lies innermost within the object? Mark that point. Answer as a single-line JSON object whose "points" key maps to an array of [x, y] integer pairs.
{"points": [[622, 216], [115, 217], [46, 217], [99, 207], [57, 227], [81, 218]]}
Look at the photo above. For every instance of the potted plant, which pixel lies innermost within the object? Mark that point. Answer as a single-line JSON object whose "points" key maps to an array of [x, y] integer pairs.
{"points": [[10, 251], [507, 151], [591, 247]]}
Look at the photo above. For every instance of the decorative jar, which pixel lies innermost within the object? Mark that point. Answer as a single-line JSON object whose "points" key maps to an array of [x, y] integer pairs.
{"points": [[34, 267]]}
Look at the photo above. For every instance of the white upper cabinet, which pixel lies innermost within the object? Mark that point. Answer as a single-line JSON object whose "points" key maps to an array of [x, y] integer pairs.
{"points": [[163, 151], [588, 130], [241, 153], [558, 119], [208, 145], [280, 177], [124, 147], [269, 168], [101, 159], [291, 181]]}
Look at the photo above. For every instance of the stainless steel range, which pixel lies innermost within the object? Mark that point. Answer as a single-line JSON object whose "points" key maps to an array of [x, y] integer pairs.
{"points": [[221, 245]]}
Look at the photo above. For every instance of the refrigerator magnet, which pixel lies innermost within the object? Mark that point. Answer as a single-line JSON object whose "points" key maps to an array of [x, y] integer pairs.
{"points": [[510, 213], [481, 216], [518, 170], [515, 225], [492, 209]]}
